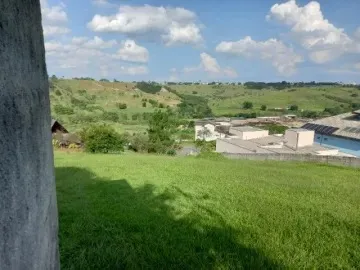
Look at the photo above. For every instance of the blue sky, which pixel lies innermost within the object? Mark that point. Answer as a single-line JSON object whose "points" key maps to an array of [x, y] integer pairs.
{"points": [[212, 40]]}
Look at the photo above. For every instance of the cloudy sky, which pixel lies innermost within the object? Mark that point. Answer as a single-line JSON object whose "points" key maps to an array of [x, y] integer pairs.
{"points": [[207, 40]]}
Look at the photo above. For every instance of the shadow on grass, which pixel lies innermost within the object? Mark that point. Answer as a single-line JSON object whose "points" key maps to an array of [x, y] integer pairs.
{"points": [[110, 225]]}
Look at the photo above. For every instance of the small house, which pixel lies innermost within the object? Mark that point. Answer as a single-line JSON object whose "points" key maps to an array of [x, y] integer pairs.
{"points": [[56, 127]]}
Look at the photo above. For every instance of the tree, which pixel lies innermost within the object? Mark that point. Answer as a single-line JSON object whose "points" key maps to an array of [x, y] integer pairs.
{"points": [[162, 127], [204, 133], [247, 105], [102, 139], [294, 108], [263, 108], [122, 106]]}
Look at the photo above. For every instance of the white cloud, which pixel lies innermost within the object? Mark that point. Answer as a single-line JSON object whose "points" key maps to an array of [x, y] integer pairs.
{"points": [[283, 58], [357, 33], [132, 52], [55, 30], [315, 33], [134, 70], [85, 55], [357, 66], [53, 18], [98, 43], [210, 65], [172, 25], [101, 2], [53, 13]]}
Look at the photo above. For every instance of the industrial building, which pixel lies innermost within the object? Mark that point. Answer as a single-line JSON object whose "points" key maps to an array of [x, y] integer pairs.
{"points": [[252, 140], [340, 131]]}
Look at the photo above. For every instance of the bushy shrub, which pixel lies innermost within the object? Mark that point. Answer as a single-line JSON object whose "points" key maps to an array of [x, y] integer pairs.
{"points": [[161, 106], [60, 109], [83, 118], [58, 92], [171, 152], [73, 146], [82, 92], [247, 105], [139, 143], [135, 116], [78, 103], [101, 139], [110, 116], [122, 106], [263, 107], [144, 104], [56, 143], [153, 103], [124, 117]]}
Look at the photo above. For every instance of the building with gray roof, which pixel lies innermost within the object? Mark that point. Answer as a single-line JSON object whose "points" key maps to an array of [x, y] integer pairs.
{"points": [[340, 131]]}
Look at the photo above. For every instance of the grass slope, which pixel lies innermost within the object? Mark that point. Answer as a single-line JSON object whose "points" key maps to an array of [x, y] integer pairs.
{"points": [[224, 99], [99, 97], [154, 212]]}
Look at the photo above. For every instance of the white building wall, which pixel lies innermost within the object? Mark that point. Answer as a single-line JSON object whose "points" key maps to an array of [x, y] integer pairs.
{"points": [[248, 135], [306, 138], [213, 135], [297, 139]]}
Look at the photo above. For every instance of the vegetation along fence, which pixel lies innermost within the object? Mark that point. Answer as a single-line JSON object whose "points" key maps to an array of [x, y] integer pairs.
{"points": [[333, 160]]}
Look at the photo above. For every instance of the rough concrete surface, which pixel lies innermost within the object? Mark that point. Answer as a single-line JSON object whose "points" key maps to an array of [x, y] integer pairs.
{"points": [[28, 211]]}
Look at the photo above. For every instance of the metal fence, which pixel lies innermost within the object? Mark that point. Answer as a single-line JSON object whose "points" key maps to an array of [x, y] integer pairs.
{"points": [[333, 160]]}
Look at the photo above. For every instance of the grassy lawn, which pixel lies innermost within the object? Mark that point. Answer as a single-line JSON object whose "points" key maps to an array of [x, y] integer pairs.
{"points": [[154, 212]]}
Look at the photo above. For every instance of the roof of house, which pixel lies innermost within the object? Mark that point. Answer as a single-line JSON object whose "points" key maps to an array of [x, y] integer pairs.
{"points": [[246, 128], [344, 125], [258, 146]]}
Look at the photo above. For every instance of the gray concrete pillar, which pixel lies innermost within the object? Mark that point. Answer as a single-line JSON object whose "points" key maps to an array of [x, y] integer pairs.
{"points": [[28, 211]]}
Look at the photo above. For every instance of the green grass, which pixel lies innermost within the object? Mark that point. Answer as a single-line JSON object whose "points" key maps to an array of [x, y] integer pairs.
{"points": [[227, 99], [155, 212]]}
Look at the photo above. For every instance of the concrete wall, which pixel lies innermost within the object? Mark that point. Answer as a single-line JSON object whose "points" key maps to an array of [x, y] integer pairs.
{"points": [[348, 146], [306, 138], [28, 211], [296, 139], [333, 160], [248, 135], [225, 146]]}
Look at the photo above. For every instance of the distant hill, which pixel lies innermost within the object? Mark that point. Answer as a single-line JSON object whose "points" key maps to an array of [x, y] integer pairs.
{"points": [[78, 102], [228, 99]]}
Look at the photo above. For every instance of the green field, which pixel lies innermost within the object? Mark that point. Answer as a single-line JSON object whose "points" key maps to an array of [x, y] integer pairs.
{"points": [[228, 99], [155, 212]]}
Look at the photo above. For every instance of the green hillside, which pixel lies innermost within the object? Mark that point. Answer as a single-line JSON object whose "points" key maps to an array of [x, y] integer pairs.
{"points": [[228, 99], [137, 211], [76, 103]]}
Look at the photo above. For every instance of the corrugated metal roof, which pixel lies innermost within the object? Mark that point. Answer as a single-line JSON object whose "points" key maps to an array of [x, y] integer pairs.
{"points": [[345, 125]]}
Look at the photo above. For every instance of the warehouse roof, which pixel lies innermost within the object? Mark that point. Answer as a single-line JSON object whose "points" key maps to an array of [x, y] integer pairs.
{"points": [[343, 125]]}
